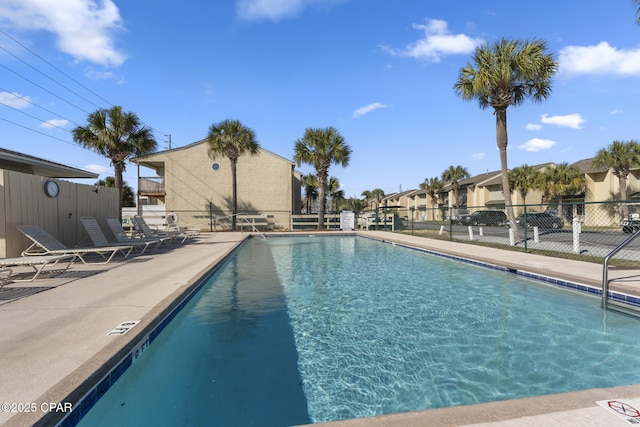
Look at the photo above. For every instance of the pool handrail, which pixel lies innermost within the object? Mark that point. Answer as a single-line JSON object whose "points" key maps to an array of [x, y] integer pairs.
{"points": [[605, 267]]}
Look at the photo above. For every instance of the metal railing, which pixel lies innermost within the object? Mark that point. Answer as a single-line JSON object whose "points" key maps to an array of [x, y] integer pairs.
{"points": [[578, 230], [152, 184], [605, 272]]}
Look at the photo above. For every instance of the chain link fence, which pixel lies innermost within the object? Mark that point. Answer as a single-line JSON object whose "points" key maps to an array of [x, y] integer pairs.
{"points": [[577, 230], [221, 220]]}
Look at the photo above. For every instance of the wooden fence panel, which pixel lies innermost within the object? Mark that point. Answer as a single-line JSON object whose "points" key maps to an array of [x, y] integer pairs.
{"points": [[24, 202]]}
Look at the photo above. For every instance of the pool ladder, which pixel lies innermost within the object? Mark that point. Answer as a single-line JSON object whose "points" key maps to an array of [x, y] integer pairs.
{"points": [[606, 302], [264, 236]]}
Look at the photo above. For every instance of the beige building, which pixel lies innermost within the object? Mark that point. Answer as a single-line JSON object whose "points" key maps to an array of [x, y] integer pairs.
{"points": [[34, 191], [199, 189], [484, 191]]}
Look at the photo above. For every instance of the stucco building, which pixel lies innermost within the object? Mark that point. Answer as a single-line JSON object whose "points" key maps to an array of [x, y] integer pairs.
{"points": [[484, 191], [199, 189]]}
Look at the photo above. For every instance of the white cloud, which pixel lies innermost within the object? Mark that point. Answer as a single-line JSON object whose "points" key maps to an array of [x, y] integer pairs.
{"points": [[437, 42], [367, 109], [478, 155], [83, 29], [537, 144], [601, 59], [615, 111], [58, 123], [93, 74], [14, 99], [275, 10], [533, 126], [574, 121], [99, 169]]}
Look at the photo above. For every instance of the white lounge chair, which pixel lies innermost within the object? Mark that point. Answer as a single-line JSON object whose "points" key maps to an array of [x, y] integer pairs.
{"points": [[38, 263], [141, 228], [122, 238], [100, 240], [45, 244], [172, 226]]}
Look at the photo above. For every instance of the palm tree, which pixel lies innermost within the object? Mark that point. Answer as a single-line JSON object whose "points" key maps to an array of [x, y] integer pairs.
{"points": [[128, 199], [310, 184], [523, 179], [117, 136], [321, 148], [453, 174], [568, 180], [621, 156], [506, 73], [433, 187], [375, 195], [352, 204], [636, 5], [563, 180], [334, 192], [231, 139]]}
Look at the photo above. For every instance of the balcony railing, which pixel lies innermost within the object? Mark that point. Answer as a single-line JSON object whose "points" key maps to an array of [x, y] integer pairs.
{"points": [[151, 185]]}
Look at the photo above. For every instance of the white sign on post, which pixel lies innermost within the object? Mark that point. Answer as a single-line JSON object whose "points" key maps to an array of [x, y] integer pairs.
{"points": [[347, 220]]}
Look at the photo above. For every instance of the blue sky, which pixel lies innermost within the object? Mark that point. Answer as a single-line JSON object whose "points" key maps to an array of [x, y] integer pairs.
{"points": [[380, 72]]}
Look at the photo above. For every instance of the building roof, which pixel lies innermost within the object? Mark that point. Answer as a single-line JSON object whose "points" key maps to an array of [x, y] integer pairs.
{"points": [[397, 195], [495, 177], [417, 192], [473, 180], [12, 160], [147, 160], [586, 166]]}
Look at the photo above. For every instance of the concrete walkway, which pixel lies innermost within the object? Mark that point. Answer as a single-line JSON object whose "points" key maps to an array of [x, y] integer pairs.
{"points": [[53, 331], [52, 341]]}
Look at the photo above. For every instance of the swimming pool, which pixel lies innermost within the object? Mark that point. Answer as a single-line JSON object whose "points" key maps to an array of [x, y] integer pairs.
{"points": [[309, 329]]}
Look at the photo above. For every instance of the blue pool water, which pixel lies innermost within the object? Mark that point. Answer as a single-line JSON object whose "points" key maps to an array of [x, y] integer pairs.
{"points": [[309, 329]]}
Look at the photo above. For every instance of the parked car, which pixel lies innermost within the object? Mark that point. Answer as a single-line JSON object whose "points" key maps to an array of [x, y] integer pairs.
{"points": [[540, 219], [457, 214], [632, 223], [484, 217]]}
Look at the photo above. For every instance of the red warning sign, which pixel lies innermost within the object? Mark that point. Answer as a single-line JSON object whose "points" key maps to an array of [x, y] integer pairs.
{"points": [[624, 409]]}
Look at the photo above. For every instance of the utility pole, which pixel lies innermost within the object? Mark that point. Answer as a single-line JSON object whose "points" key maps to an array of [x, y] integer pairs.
{"points": [[169, 136]]}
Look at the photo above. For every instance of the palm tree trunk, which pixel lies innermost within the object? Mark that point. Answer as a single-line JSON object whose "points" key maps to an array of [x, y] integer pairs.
{"points": [[622, 180], [502, 140], [322, 195], [118, 168], [455, 194], [234, 194]]}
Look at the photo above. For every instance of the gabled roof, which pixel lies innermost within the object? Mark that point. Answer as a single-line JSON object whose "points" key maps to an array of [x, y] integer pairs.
{"points": [[586, 166], [474, 180], [148, 158], [493, 178], [12, 160], [397, 195], [417, 192]]}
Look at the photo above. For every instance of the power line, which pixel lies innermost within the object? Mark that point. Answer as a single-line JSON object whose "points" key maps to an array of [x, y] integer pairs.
{"points": [[51, 78], [55, 81], [46, 90], [33, 117], [56, 68], [37, 131], [38, 106]]}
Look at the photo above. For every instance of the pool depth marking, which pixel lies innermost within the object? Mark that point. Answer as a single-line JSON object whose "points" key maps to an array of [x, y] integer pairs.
{"points": [[123, 327]]}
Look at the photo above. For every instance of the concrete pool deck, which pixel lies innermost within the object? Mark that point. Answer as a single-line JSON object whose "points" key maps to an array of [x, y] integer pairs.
{"points": [[53, 331]]}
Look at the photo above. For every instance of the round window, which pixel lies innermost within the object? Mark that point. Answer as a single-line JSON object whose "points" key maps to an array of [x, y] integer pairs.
{"points": [[215, 166]]}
